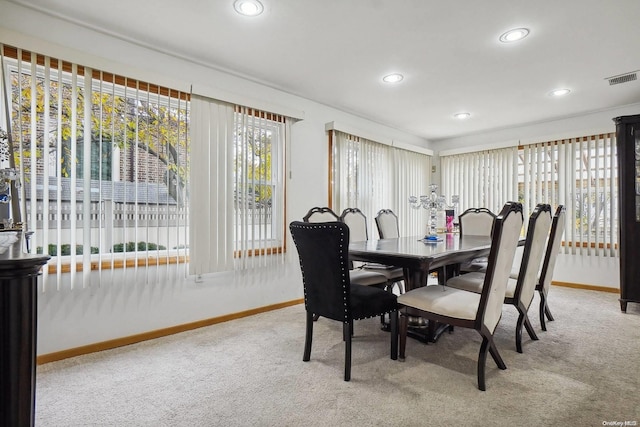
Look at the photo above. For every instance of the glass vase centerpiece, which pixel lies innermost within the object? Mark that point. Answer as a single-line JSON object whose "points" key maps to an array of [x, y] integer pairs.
{"points": [[434, 204]]}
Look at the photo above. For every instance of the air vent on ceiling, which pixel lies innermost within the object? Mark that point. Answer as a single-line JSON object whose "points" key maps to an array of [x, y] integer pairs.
{"points": [[622, 78]]}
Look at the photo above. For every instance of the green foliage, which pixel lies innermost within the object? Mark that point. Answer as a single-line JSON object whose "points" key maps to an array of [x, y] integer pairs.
{"points": [[133, 246], [66, 249], [117, 121], [118, 247]]}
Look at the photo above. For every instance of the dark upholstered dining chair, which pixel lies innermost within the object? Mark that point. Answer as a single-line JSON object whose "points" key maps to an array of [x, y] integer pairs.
{"points": [[358, 276], [323, 250], [520, 290], [465, 309]]}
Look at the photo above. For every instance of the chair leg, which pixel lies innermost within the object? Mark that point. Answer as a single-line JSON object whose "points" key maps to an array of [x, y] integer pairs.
{"points": [[346, 327], [351, 329], [393, 320], [308, 338], [482, 359], [523, 319], [544, 310], [493, 350], [548, 313], [519, 333], [383, 323], [404, 326], [529, 328], [487, 343], [543, 325]]}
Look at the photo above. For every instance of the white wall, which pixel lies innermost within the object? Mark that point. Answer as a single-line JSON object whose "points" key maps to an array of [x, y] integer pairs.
{"points": [[133, 301]]}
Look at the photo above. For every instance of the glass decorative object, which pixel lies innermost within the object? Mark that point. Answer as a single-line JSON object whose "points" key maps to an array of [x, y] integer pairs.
{"points": [[434, 204]]}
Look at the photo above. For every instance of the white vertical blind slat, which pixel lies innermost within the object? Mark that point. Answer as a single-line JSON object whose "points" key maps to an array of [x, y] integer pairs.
{"points": [[86, 175], [72, 170], [212, 247], [45, 155]]}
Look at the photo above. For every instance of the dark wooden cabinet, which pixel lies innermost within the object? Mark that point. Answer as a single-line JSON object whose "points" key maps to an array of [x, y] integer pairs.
{"points": [[628, 146], [18, 320]]}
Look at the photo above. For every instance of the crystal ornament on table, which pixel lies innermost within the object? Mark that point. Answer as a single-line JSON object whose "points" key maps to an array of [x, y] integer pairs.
{"points": [[434, 204]]}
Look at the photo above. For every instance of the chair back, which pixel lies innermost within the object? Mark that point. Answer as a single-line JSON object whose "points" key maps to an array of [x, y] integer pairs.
{"points": [[506, 233], [357, 223], [535, 243], [553, 247], [323, 250], [476, 222], [387, 224], [319, 214]]}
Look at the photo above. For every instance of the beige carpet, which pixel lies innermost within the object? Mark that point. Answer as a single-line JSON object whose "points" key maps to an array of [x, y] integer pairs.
{"points": [[584, 371]]}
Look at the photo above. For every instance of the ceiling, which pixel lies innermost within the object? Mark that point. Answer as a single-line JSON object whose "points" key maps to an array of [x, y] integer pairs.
{"points": [[336, 52]]}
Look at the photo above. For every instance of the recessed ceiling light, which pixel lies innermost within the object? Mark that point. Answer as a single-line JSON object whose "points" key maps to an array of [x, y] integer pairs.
{"points": [[462, 116], [393, 78], [559, 92], [248, 7], [514, 35]]}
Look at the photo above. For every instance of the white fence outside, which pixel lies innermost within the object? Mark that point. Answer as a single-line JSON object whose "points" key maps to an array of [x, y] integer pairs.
{"points": [[116, 223]]}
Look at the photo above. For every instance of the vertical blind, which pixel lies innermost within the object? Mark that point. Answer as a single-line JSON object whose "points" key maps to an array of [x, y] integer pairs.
{"points": [[237, 173], [103, 161], [579, 173], [481, 179], [372, 176]]}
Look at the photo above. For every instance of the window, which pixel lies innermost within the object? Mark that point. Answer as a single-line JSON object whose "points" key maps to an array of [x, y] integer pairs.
{"points": [[580, 173], [103, 161], [258, 163], [372, 176], [237, 172]]}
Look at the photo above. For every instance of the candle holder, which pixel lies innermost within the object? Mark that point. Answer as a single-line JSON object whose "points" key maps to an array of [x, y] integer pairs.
{"points": [[433, 203]]}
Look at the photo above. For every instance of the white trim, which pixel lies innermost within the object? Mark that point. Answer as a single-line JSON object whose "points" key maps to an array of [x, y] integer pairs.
{"points": [[245, 101], [377, 138], [525, 141], [483, 147]]}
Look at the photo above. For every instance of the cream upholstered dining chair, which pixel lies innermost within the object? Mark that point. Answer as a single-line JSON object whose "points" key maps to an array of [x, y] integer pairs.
{"points": [[389, 228], [323, 250], [520, 290], [475, 222], [320, 214], [358, 276], [357, 223], [465, 309], [387, 224], [549, 263]]}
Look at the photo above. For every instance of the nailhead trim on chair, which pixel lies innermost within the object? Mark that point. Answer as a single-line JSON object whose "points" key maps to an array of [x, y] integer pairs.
{"points": [[345, 269]]}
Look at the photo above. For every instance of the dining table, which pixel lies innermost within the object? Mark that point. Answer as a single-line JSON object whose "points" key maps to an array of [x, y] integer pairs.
{"points": [[418, 257]]}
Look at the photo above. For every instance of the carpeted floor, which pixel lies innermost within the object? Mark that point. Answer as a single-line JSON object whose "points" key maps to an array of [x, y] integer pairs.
{"points": [[584, 371]]}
